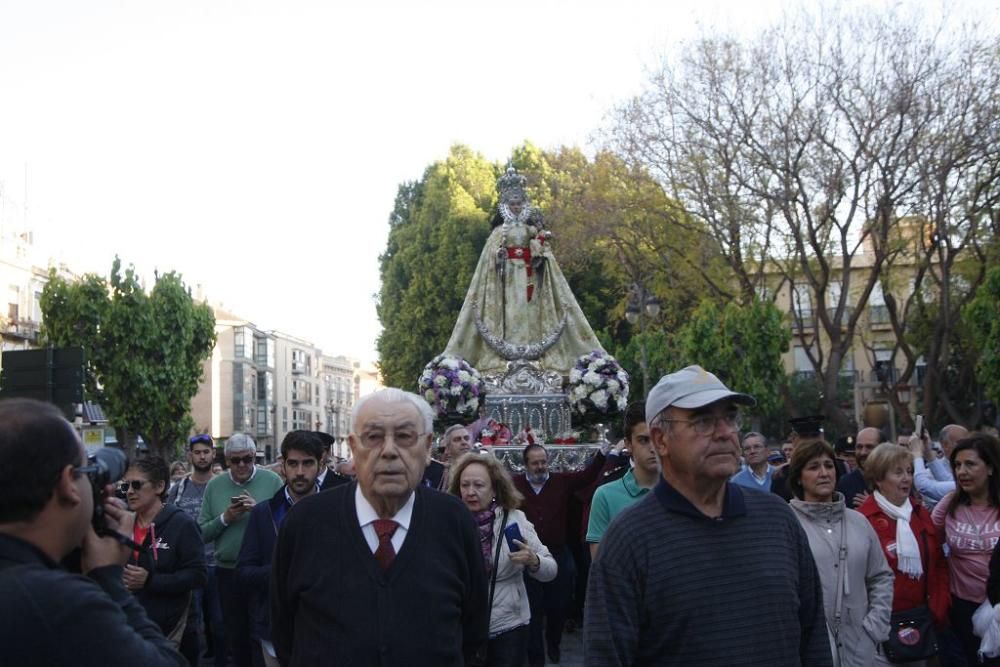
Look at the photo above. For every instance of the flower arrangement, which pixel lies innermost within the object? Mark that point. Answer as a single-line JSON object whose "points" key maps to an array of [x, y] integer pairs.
{"points": [[598, 384], [451, 386], [494, 433]]}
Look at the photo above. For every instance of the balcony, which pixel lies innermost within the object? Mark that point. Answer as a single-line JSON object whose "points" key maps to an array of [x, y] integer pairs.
{"points": [[844, 318], [26, 330], [884, 373], [878, 317], [803, 319]]}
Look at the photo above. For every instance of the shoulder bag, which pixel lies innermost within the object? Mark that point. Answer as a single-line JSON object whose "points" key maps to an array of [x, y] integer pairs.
{"points": [[911, 631]]}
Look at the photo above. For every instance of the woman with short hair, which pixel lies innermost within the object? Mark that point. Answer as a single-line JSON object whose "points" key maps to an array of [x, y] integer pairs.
{"points": [[969, 520], [485, 486], [857, 582], [908, 537]]}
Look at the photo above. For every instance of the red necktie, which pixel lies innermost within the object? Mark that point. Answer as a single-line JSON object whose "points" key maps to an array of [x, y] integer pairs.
{"points": [[385, 554]]}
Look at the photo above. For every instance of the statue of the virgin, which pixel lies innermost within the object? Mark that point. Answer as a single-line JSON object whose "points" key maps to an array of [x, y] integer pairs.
{"points": [[519, 308]]}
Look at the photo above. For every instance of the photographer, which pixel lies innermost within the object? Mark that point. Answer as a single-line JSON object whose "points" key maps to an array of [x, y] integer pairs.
{"points": [[50, 616]]}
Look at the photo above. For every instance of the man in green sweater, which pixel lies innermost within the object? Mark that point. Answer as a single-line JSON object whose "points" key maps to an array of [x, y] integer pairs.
{"points": [[229, 497]]}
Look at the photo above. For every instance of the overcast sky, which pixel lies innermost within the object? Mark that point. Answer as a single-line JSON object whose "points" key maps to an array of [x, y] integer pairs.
{"points": [[256, 147]]}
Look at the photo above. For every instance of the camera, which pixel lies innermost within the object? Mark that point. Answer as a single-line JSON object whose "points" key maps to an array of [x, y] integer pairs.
{"points": [[104, 466]]}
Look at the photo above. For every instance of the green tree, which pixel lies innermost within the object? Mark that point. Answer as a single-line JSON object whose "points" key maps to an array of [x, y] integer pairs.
{"points": [[981, 317], [437, 230], [144, 351], [742, 344]]}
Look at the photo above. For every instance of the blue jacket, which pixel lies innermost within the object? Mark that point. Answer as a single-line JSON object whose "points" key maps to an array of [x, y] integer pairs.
{"points": [[253, 567]]}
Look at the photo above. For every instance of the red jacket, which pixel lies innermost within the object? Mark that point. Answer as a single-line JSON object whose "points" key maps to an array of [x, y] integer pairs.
{"points": [[907, 592]]}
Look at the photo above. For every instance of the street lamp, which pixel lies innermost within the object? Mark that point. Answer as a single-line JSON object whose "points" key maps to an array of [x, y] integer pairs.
{"points": [[640, 300]]}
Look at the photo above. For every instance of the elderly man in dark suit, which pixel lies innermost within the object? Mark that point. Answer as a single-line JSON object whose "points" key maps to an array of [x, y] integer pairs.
{"points": [[382, 571]]}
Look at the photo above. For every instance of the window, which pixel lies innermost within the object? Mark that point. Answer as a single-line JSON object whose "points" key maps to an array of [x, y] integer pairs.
{"points": [[264, 353], [802, 363], [878, 313], [884, 371], [243, 343], [265, 386], [802, 306], [300, 361]]}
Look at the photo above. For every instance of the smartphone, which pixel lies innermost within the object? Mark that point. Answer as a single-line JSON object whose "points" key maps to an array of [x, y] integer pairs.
{"points": [[513, 532], [919, 430], [237, 500]]}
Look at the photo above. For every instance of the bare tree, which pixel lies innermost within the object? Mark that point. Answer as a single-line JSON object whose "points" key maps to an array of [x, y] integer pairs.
{"points": [[816, 154]]}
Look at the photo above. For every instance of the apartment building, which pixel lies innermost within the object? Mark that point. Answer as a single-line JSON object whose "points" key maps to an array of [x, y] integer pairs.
{"points": [[236, 394]]}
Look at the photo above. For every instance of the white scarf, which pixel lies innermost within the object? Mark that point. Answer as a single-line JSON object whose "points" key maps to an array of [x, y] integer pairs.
{"points": [[907, 549]]}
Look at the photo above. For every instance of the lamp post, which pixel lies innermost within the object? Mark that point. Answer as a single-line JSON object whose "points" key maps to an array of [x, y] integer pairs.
{"points": [[642, 301]]}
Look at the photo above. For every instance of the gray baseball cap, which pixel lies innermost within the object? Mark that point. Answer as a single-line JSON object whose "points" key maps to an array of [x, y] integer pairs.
{"points": [[691, 388]]}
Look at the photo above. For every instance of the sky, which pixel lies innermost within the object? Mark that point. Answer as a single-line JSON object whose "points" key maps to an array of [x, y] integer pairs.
{"points": [[256, 147]]}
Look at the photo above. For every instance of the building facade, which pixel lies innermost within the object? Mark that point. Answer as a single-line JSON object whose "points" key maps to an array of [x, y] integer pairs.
{"points": [[237, 391]]}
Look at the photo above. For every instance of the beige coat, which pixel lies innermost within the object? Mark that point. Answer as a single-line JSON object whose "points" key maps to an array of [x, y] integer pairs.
{"points": [[510, 598], [867, 601]]}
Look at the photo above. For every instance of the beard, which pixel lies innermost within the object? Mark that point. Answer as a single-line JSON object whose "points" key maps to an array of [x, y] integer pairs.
{"points": [[537, 478], [202, 468]]}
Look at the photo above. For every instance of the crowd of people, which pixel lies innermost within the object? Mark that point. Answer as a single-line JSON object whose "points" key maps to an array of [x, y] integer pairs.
{"points": [[690, 542]]}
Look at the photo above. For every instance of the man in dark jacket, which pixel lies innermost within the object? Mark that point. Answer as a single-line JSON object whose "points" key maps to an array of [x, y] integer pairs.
{"points": [[383, 571], [546, 501], [301, 453], [49, 616]]}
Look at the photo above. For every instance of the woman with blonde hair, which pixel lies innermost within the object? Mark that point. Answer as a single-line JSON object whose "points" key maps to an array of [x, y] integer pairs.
{"points": [[485, 486], [908, 537]]}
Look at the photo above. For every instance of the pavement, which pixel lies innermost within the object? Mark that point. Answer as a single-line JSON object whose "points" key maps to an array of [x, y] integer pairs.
{"points": [[572, 649]]}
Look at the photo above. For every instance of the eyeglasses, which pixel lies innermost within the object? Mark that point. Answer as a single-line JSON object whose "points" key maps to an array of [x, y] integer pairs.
{"points": [[203, 437], [241, 460], [404, 439], [135, 485], [706, 424]]}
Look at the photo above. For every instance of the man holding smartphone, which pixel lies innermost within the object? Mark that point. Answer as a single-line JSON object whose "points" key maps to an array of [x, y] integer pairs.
{"points": [[228, 500]]}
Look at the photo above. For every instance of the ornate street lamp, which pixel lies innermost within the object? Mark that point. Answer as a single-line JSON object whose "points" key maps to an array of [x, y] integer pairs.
{"points": [[641, 300]]}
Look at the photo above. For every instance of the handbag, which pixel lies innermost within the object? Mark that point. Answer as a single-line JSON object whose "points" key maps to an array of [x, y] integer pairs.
{"points": [[911, 631], [911, 636]]}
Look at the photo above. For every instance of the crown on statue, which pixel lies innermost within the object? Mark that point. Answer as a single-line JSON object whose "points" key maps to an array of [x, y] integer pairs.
{"points": [[511, 183]]}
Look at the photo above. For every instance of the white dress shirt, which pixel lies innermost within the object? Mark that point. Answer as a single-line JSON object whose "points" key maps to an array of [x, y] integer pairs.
{"points": [[367, 516]]}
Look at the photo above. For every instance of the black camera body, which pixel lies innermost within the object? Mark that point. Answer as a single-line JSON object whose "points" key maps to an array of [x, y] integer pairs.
{"points": [[105, 465]]}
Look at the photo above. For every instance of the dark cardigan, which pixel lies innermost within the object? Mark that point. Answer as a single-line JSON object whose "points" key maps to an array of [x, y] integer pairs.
{"points": [[329, 597]]}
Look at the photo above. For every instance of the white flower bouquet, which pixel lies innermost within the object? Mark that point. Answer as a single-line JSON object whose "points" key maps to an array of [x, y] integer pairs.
{"points": [[598, 385], [452, 387]]}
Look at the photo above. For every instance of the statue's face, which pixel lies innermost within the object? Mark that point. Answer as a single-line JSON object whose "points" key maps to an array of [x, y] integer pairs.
{"points": [[516, 204]]}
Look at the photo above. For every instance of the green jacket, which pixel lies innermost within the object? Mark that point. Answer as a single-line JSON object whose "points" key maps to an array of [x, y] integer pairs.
{"points": [[228, 539]]}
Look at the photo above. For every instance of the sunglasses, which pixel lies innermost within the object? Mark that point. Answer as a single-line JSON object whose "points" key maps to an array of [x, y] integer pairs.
{"points": [[204, 437], [240, 460], [135, 485]]}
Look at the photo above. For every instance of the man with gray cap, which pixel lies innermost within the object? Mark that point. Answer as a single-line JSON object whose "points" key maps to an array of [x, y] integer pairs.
{"points": [[686, 576], [228, 500]]}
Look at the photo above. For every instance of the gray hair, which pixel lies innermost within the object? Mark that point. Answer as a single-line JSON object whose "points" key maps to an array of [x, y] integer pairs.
{"points": [[239, 442], [393, 395], [753, 434], [451, 429]]}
